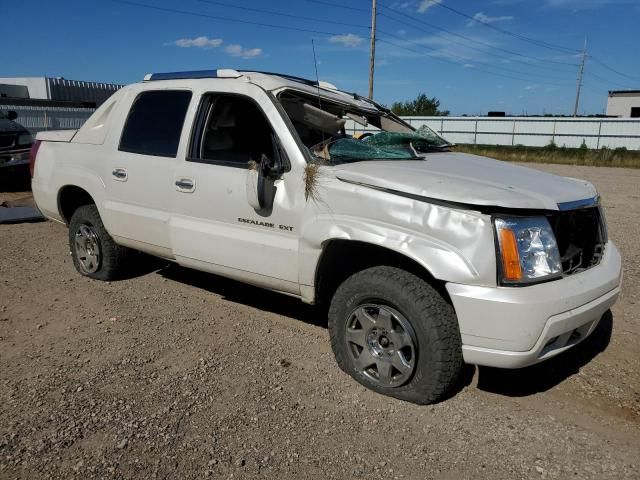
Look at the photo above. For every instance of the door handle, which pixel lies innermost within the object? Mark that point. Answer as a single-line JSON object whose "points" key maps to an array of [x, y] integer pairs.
{"points": [[119, 174], [185, 184]]}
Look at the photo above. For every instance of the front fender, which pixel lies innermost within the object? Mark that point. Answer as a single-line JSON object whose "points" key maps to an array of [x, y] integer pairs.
{"points": [[452, 245]]}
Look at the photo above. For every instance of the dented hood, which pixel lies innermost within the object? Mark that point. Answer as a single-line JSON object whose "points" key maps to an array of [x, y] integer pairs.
{"points": [[468, 179]]}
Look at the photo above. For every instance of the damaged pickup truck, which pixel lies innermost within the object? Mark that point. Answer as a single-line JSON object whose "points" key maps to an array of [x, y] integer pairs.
{"points": [[425, 258]]}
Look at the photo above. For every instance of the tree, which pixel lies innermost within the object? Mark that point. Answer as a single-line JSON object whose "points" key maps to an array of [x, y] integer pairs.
{"points": [[422, 106]]}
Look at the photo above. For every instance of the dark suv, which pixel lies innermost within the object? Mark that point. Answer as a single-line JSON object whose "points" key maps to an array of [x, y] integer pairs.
{"points": [[15, 141]]}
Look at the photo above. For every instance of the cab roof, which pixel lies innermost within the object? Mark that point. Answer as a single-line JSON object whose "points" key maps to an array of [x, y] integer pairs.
{"points": [[270, 81]]}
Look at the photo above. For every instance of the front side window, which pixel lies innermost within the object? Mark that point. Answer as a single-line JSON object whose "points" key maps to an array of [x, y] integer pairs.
{"points": [[232, 130], [155, 122]]}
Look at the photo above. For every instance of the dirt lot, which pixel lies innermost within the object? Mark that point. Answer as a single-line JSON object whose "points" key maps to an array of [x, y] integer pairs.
{"points": [[177, 374]]}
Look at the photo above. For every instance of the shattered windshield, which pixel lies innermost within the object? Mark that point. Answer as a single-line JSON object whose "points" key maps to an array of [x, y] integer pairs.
{"points": [[344, 132]]}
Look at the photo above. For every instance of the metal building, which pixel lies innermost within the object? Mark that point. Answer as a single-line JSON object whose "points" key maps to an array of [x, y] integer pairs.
{"points": [[624, 103], [58, 89]]}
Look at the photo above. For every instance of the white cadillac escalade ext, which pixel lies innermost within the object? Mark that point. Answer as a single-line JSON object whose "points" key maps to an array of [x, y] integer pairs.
{"points": [[425, 258]]}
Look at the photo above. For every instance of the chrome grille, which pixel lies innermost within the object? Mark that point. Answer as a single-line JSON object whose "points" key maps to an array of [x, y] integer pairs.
{"points": [[7, 140], [581, 237]]}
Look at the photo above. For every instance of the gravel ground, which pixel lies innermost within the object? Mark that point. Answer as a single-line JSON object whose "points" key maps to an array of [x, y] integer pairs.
{"points": [[177, 374]]}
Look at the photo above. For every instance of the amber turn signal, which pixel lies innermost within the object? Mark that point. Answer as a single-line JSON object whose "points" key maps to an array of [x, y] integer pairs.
{"points": [[511, 269]]}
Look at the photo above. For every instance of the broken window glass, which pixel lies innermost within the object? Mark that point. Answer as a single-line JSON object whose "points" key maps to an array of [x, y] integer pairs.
{"points": [[320, 124]]}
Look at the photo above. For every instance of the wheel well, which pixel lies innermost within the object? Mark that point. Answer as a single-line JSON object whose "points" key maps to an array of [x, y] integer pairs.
{"points": [[342, 258], [70, 199]]}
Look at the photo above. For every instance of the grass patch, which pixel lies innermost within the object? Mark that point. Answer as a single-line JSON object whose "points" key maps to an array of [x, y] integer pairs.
{"points": [[605, 157]]}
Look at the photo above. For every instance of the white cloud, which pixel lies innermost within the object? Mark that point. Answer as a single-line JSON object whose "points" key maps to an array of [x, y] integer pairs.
{"points": [[400, 5], [349, 40], [206, 43], [482, 18], [198, 42], [425, 5], [236, 50]]}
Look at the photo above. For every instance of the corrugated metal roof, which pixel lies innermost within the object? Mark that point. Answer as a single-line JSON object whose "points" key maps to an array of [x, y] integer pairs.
{"points": [[80, 91], [622, 92]]}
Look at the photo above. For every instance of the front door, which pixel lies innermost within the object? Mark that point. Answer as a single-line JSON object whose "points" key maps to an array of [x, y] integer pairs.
{"points": [[214, 227]]}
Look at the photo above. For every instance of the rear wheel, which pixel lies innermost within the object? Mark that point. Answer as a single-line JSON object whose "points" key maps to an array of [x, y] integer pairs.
{"points": [[94, 252], [395, 334]]}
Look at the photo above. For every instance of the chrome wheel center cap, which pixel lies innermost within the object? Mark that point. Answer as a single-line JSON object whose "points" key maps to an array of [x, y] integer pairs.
{"points": [[381, 342]]}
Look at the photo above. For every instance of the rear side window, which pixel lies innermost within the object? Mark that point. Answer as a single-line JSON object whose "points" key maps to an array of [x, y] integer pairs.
{"points": [[155, 122]]}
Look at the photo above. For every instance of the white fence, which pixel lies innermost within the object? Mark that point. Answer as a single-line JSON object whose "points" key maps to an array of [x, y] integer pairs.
{"points": [[39, 118], [536, 131], [529, 131]]}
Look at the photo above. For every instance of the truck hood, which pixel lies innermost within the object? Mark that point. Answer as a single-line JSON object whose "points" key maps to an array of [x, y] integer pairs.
{"points": [[468, 179]]}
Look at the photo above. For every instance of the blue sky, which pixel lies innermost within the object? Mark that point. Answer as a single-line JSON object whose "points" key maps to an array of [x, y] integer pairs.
{"points": [[472, 66]]}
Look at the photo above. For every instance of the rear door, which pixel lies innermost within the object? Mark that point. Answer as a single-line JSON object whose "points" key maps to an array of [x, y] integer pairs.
{"points": [[140, 173]]}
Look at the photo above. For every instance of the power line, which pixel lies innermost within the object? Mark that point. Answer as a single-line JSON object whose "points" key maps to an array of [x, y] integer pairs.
{"points": [[601, 63], [465, 60], [440, 59], [469, 39], [519, 36], [530, 40], [226, 19], [338, 5], [604, 80], [281, 14]]}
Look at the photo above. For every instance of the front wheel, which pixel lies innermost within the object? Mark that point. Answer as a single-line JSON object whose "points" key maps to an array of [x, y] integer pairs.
{"points": [[395, 334]]}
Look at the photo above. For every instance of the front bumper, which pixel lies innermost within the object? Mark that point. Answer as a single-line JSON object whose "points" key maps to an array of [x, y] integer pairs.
{"points": [[513, 327]]}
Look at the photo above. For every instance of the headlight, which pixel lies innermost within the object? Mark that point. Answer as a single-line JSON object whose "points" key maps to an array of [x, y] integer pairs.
{"points": [[528, 249], [16, 157], [25, 139]]}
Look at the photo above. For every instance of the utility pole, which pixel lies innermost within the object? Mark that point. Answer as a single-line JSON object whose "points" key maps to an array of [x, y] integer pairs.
{"points": [[372, 58], [580, 75]]}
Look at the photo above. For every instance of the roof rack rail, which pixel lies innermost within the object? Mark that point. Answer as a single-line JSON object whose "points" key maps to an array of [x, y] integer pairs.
{"points": [[220, 73], [312, 83], [306, 81]]}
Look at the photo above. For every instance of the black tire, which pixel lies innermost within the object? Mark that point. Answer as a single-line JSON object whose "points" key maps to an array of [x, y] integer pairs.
{"points": [[110, 261], [433, 326]]}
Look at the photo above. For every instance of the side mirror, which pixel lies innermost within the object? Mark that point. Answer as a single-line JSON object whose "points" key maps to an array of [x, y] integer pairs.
{"points": [[12, 115], [269, 170], [261, 188]]}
